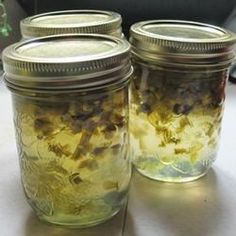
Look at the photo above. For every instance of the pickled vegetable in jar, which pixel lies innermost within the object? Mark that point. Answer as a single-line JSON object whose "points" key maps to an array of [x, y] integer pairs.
{"points": [[178, 93], [70, 102], [72, 21]]}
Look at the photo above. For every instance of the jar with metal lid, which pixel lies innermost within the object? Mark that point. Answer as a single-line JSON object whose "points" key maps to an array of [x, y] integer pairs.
{"points": [[72, 21], [70, 102], [178, 92]]}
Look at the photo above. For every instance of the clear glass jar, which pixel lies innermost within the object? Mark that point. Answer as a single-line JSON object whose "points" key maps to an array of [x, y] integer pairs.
{"points": [[70, 102], [72, 21], [178, 92]]}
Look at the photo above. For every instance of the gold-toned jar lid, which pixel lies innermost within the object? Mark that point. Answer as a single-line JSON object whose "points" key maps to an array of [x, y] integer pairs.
{"points": [[181, 42], [67, 62], [72, 21]]}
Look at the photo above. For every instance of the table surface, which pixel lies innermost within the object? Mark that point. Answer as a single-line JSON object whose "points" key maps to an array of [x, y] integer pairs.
{"points": [[206, 207]]}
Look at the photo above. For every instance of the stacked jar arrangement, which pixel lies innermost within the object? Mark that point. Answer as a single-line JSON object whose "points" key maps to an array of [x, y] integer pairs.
{"points": [[73, 116]]}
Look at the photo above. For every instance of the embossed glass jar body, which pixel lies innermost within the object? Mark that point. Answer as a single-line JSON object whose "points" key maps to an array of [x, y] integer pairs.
{"points": [[73, 142], [177, 101], [73, 154]]}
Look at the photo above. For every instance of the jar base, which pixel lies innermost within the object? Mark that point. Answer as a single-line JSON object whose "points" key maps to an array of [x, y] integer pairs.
{"points": [[176, 179], [73, 222]]}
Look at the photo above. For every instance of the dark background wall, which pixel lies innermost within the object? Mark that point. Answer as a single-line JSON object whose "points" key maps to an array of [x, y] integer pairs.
{"points": [[15, 13], [211, 11], [218, 12]]}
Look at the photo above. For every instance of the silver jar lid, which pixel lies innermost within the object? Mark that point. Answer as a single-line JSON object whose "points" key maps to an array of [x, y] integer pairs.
{"points": [[71, 21], [182, 42], [67, 62]]}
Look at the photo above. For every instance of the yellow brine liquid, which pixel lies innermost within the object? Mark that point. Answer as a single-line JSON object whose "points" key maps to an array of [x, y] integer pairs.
{"points": [[175, 122], [74, 155]]}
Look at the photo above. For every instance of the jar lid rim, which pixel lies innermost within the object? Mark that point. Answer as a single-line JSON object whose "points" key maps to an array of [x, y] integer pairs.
{"points": [[70, 21], [177, 36], [52, 58]]}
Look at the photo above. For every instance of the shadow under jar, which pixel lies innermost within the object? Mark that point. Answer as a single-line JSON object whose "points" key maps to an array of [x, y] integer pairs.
{"points": [[70, 101], [178, 93]]}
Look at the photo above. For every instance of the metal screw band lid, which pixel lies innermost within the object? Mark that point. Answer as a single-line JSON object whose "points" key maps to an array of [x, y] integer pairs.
{"points": [[72, 21], [67, 61], [185, 40]]}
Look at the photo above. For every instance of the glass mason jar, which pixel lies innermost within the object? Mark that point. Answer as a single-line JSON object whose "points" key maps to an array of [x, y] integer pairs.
{"points": [[178, 93], [70, 102], [72, 21]]}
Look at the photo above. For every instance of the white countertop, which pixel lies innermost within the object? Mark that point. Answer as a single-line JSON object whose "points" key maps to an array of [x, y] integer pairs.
{"points": [[206, 207]]}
